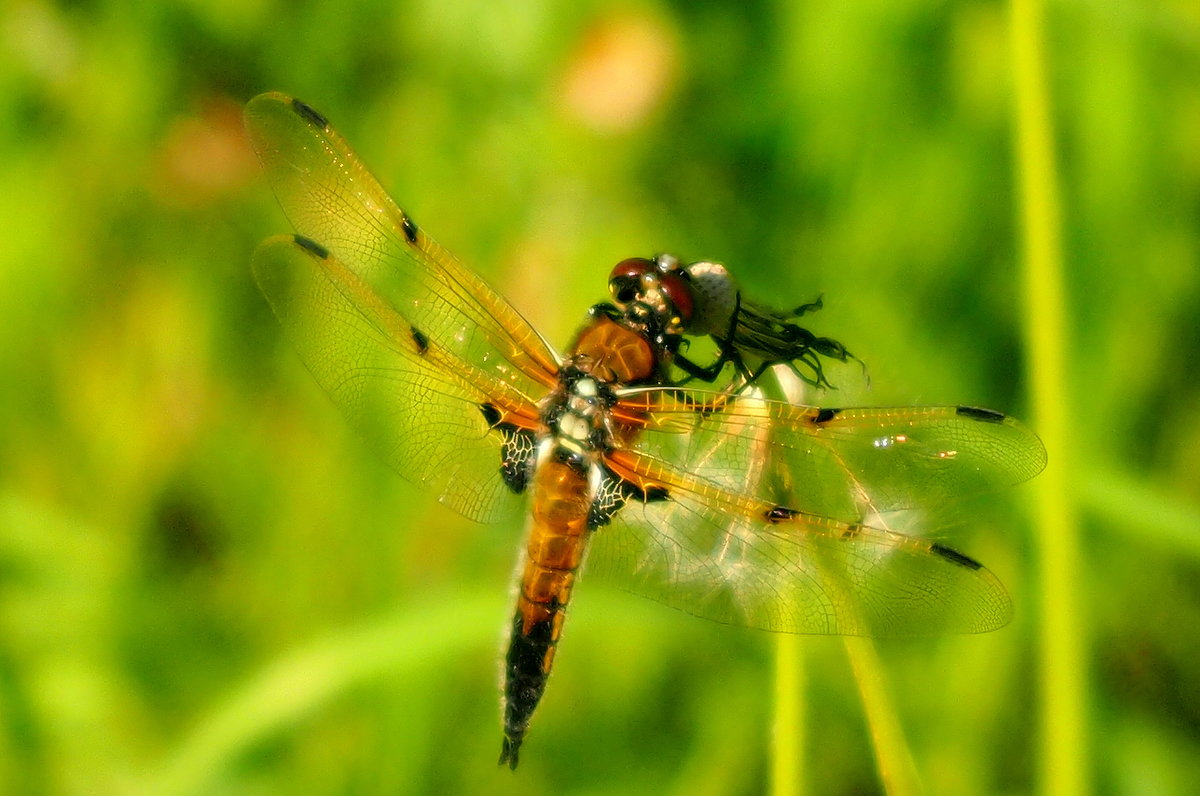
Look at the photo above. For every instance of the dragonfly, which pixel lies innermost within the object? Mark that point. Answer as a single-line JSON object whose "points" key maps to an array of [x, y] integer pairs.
{"points": [[713, 500]]}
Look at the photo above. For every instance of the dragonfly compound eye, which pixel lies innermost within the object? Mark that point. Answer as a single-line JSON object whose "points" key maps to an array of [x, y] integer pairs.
{"points": [[675, 288], [625, 281]]}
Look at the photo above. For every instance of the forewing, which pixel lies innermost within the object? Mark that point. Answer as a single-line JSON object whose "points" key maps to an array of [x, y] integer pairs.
{"points": [[415, 402], [332, 199], [714, 551], [841, 463]]}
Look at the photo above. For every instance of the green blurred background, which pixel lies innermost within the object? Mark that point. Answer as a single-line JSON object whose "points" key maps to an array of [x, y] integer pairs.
{"points": [[208, 585]]}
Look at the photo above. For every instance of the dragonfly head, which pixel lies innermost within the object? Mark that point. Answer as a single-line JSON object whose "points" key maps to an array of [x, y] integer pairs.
{"points": [[664, 300], [654, 297], [697, 299], [654, 292]]}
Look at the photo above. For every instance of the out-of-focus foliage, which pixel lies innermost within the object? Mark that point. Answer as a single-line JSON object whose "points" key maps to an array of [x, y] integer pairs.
{"points": [[208, 585]]}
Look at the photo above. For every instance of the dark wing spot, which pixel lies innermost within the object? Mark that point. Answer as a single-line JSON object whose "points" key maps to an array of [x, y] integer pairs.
{"points": [[490, 414], [655, 494], [610, 498], [954, 556], [825, 415], [310, 115], [312, 246], [518, 454], [976, 413], [410, 229], [852, 531], [780, 514], [420, 339], [517, 457], [614, 493]]}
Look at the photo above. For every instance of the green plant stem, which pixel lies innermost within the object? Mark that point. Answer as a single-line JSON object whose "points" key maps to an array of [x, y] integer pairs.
{"points": [[897, 771], [1063, 769], [787, 743], [893, 758]]}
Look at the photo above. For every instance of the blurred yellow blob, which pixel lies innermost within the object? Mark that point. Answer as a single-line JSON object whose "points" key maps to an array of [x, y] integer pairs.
{"points": [[204, 157], [620, 72]]}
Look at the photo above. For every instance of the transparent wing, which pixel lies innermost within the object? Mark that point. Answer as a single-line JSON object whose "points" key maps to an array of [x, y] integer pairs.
{"points": [[840, 463], [712, 550], [332, 199], [413, 400]]}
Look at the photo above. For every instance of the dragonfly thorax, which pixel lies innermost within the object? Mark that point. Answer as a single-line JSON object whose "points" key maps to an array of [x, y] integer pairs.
{"points": [[577, 416], [614, 353]]}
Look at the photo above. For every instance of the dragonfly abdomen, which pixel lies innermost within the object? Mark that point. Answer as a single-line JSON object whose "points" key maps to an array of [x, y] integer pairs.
{"points": [[562, 499]]}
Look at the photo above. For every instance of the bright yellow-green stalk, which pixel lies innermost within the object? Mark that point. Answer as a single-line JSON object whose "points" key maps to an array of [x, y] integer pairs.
{"points": [[893, 758], [1062, 676], [787, 741]]}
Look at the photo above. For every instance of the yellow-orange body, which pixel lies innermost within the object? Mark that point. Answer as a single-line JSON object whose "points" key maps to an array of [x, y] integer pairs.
{"points": [[565, 483]]}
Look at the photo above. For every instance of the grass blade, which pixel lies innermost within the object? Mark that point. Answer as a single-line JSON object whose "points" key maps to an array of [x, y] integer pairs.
{"points": [[297, 684], [897, 771], [1061, 646], [787, 741]]}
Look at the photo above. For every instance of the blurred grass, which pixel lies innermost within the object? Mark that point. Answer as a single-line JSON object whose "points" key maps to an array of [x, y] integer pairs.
{"points": [[182, 511], [299, 683]]}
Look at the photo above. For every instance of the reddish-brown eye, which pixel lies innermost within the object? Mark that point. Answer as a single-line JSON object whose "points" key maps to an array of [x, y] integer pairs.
{"points": [[625, 280], [679, 292], [633, 266]]}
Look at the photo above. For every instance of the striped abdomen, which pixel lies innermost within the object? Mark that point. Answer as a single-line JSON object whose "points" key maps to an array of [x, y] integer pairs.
{"points": [[577, 419], [558, 533]]}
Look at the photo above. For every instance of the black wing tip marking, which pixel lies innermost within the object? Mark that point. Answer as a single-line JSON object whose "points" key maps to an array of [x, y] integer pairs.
{"points": [[954, 557], [311, 246], [309, 114], [421, 341], [825, 415], [410, 229], [979, 413]]}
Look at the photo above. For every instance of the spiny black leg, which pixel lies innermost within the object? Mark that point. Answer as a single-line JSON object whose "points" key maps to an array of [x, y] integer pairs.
{"points": [[604, 310], [729, 350], [811, 306], [707, 374]]}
